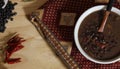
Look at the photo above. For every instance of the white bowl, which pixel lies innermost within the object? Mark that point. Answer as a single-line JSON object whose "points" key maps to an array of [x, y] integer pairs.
{"points": [[76, 30]]}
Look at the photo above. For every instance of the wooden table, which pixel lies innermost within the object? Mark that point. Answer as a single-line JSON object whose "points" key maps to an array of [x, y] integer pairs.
{"points": [[36, 54]]}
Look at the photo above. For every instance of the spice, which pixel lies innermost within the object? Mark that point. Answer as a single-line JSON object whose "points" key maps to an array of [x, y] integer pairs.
{"points": [[12, 61], [6, 14], [14, 44]]}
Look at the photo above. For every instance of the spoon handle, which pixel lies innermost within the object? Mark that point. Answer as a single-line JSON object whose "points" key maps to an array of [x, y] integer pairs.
{"points": [[101, 29], [106, 15], [110, 4]]}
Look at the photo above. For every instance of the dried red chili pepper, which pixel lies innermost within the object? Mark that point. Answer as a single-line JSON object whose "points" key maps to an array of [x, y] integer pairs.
{"points": [[18, 48], [13, 60], [14, 44]]}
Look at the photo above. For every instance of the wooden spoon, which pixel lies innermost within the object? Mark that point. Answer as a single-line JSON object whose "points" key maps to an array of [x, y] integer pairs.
{"points": [[101, 29], [106, 15]]}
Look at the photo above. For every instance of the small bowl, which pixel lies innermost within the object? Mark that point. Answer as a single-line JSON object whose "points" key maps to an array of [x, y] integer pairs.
{"points": [[76, 30]]}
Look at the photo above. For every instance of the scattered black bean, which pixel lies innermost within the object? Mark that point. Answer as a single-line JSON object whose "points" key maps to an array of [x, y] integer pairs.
{"points": [[11, 19], [6, 14]]}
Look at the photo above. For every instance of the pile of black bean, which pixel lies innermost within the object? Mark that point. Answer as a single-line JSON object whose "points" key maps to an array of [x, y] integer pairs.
{"points": [[6, 14]]}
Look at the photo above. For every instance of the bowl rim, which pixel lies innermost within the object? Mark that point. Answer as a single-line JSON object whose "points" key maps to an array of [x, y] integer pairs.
{"points": [[76, 30]]}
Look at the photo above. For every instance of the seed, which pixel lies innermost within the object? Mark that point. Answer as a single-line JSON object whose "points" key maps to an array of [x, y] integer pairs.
{"points": [[6, 14]]}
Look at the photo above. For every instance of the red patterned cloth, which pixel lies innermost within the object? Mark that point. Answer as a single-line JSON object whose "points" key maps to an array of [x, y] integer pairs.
{"points": [[52, 14], [51, 17]]}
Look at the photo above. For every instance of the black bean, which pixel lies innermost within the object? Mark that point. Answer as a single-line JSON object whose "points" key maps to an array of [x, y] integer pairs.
{"points": [[2, 28], [11, 19], [6, 14]]}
